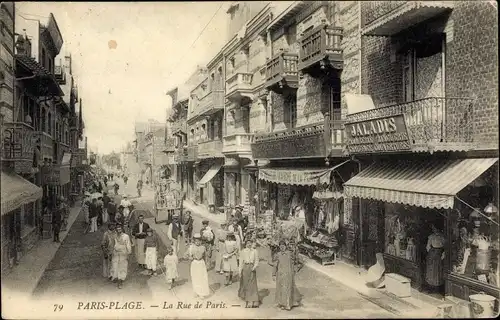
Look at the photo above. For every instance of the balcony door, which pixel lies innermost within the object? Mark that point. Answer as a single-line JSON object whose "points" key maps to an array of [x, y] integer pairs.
{"points": [[423, 81]]}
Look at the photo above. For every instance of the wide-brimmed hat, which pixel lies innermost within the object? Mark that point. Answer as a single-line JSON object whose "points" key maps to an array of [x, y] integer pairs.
{"points": [[197, 236], [205, 221], [149, 230], [229, 233], [239, 206]]}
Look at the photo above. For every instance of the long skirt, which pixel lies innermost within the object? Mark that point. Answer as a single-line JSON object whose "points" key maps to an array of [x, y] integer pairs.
{"points": [[151, 258], [434, 267], [199, 278], [287, 295], [139, 251], [105, 216], [230, 264], [106, 267], [171, 272], [119, 266], [219, 261], [248, 284]]}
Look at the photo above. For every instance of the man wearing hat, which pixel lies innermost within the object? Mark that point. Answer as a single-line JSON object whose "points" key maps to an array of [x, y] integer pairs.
{"points": [[111, 210], [125, 204], [174, 231], [139, 233], [207, 238], [238, 214]]}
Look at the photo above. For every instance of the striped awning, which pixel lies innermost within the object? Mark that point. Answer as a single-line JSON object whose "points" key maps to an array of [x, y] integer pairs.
{"points": [[429, 184], [17, 191]]}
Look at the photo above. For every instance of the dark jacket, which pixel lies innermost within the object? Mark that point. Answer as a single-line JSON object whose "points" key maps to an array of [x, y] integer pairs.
{"points": [[93, 210], [106, 200], [112, 208], [135, 230], [56, 217]]}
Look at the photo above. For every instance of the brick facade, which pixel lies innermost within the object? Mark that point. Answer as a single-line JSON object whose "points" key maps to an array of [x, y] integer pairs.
{"points": [[470, 65], [7, 60]]}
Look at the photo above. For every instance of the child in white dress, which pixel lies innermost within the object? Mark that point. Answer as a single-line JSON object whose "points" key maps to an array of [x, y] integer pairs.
{"points": [[170, 263]]}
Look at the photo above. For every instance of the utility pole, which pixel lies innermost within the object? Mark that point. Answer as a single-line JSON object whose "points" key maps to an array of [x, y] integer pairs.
{"points": [[153, 180]]}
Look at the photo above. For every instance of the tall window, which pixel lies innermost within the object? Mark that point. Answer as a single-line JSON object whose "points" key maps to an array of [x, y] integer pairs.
{"points": [[291, 34], [43, 123], [291, 110], [331, 91]]}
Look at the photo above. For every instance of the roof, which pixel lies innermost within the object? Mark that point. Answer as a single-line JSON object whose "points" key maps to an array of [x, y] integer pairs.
{"points": [[38, 70]]}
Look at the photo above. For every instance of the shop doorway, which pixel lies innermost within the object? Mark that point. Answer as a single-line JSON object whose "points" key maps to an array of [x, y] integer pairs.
{"points": [[372, 231], [431, 259]]}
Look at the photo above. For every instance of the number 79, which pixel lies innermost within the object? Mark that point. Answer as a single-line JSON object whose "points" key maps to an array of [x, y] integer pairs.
{"points": [[58, 307]]}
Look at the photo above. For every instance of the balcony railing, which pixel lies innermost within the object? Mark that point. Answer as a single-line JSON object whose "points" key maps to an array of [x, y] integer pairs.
{"points": [[321, 46], [209, 104], [60, 75], [238, 85], [447, 124], [18, 142], [282, 70], [238, 144], [337, 137], [210, 149], [387, 18]]}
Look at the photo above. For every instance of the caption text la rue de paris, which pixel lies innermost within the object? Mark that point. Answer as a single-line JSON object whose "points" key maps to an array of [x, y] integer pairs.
{"points": [[134, 305]]}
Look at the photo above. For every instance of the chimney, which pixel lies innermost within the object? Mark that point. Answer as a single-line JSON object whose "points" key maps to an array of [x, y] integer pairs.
{"points": [[23, 45]]}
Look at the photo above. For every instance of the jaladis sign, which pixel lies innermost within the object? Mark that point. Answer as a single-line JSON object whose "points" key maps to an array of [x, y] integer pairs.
{"points": [[380, 135]]}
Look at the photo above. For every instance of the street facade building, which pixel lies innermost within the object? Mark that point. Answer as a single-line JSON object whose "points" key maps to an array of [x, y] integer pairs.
{"points": [[40, 130], [423, 127]]}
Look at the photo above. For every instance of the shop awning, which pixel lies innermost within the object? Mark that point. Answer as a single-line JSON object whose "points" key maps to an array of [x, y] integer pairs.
{"points": [[17, 191], [429, 184], [210, 174]]}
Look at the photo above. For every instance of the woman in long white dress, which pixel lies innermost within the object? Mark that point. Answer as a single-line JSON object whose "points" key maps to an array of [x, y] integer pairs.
{"points": [[199, 276]]}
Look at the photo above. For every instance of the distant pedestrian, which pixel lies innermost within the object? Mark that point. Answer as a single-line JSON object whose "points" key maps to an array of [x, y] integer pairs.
{"points": [[121, 251], [100, 210], [151, 246], [126, 204], [199, 275], [139, 233], [220, 249], [174, 232], [93, 212], [116, 187], [111, 210], [208, 240], [107, 244], [105, 180], [230, 263], [188, 226], [287, 295], [238, 232], [125, 179], [170, 262], [56, 223], [249, 260], [105, 201]]}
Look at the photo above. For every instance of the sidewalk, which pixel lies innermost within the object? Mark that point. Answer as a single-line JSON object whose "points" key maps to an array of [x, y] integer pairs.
{"points": [[419, 305], [24, 277]]}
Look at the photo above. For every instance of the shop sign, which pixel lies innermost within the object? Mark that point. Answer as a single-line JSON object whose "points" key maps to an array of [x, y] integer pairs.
{"points": [[295, 177], [386, 134]]}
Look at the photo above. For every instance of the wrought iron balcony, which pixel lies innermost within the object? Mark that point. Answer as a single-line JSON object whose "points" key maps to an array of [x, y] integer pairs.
{"points": [[239, 85], [336, 147], [210, 149], [321, 48], [308, 141], [387, 18], [238, 144], [60, 75], [281, 71], [430, 124], [19, 145], [209, 104]]}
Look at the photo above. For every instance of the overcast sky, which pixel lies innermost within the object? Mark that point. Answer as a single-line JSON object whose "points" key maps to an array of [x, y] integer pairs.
{"points": [[153, 54]]}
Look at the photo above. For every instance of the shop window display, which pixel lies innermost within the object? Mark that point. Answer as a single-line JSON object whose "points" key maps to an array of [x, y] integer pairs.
{"points": [[401, 226], [474, 237]]}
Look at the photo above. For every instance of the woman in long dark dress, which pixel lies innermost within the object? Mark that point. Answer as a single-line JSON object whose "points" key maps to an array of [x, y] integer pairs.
{"points": [[249, 261], [287, 295]]}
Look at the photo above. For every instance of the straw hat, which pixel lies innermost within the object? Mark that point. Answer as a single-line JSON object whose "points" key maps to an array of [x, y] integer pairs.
{"points": [[197, 236]]}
